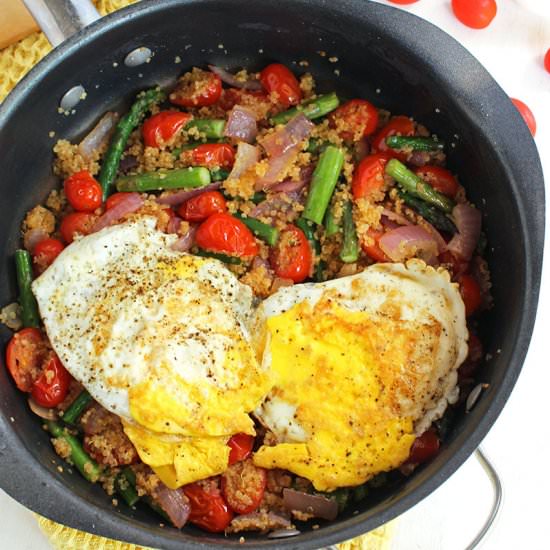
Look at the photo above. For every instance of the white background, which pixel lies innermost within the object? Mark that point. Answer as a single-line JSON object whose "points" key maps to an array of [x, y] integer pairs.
{"points": [[512, 49]]}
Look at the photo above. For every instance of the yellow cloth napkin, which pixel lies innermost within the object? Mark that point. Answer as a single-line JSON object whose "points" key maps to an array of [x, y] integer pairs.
{"points": [[15, 61]]}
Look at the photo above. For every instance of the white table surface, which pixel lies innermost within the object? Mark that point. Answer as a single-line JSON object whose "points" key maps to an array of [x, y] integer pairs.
{"points": [[511, 49]]}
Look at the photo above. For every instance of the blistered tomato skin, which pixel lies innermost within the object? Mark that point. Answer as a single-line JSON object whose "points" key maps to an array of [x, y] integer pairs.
{"points": [[162, 128], [277, 78], [83, 191], [198, 208], [52, 386], [476, 14], [208, 508], [24, 356], [292, 258], [241, 447]]}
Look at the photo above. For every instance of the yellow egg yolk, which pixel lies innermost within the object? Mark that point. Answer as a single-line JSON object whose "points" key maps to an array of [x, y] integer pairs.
{"points": [[342, 371]]}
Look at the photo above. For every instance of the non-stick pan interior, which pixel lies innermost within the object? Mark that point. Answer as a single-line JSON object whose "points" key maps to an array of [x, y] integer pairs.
{"points": [[359, 49]]}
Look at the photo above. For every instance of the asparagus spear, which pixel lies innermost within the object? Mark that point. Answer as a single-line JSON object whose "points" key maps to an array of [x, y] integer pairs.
{"points": [[429, 213], [262, 230], [350, 246], [210, 127], [125, 483], [76, 408], [313, 108], [27, 301], [182, 178], [417, 143]]}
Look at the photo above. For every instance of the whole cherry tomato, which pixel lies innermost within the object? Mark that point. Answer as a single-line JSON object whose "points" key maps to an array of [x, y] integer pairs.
{"points": [[212, 155], [224, 233], [45, 252], [547, 60], [397, 126], [527, 115], [114, 199], [291, 258], [279, 79], [160, 129], [52, 386], [241, 447], [25, 353], [75, 223], [440, 179], [202, 206], [197, 89], [356, 117], [369, 175], [208, 508], [373, 250], [470, 292], [83, 191], [243, 486], [476, 14], [425, 447]]}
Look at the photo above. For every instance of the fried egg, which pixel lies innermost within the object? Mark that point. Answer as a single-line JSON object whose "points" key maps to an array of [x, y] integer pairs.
{"points": [[159, 338], [360, 366]]}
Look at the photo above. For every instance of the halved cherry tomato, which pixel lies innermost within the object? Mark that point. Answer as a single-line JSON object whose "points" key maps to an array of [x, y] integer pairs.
{"points": [[161, 128], [357, 116], [279, 79], [527, 115], [440, 179], [424, 448], [73, 223], [243, 486], [547, 60], [52, 386], [374, 251], [291, 258], [476, 14], [225, 233], [83, 191], [470, 292], [208, 508], [114, 199], [24, 356], [212, 155], [241, 447], [397, 126], [45, 252], [369, 175], [202, 206], [197, 89]]}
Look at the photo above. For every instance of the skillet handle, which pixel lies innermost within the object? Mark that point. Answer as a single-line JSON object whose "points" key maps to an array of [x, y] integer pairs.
{"points": [[60, 19]]}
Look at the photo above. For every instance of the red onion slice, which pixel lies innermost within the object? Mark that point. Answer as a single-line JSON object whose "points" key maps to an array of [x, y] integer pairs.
{"points": [[184, 243], [230, 79], [246, 157], [295, 185], [468, 222], [407, 241], [174, 503], [173, 224], [33, 237], [278, 202], [173, 198], [288, 137], [395, 217], [130, 203], [241, 124], [319, 506], [42, 412], [99, 135]]}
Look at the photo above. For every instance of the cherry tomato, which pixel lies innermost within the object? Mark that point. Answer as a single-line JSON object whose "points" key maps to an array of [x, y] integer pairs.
{"points": [[527, 115], [24, 356], [73, 223], [235, 96], [476, 14], [291, 258], [208, 508], [114, 199], [547, 60], [45, 252], [224, 233], [439, 178], [243, 486], [279, 79], [212, 155], [369, 175], [241, 447], [161, 128], [397, 126], [470, 292], [202, 206], [424, 448], [83, 191], [197, 89], [52, 386], [374, 251], [357, 116]]}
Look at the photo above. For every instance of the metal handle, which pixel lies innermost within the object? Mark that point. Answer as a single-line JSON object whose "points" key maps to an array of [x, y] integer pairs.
{"points": [[59, 19]]}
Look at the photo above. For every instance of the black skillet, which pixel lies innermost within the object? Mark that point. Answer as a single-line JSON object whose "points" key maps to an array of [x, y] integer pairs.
{"points": [[394, 59]]}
